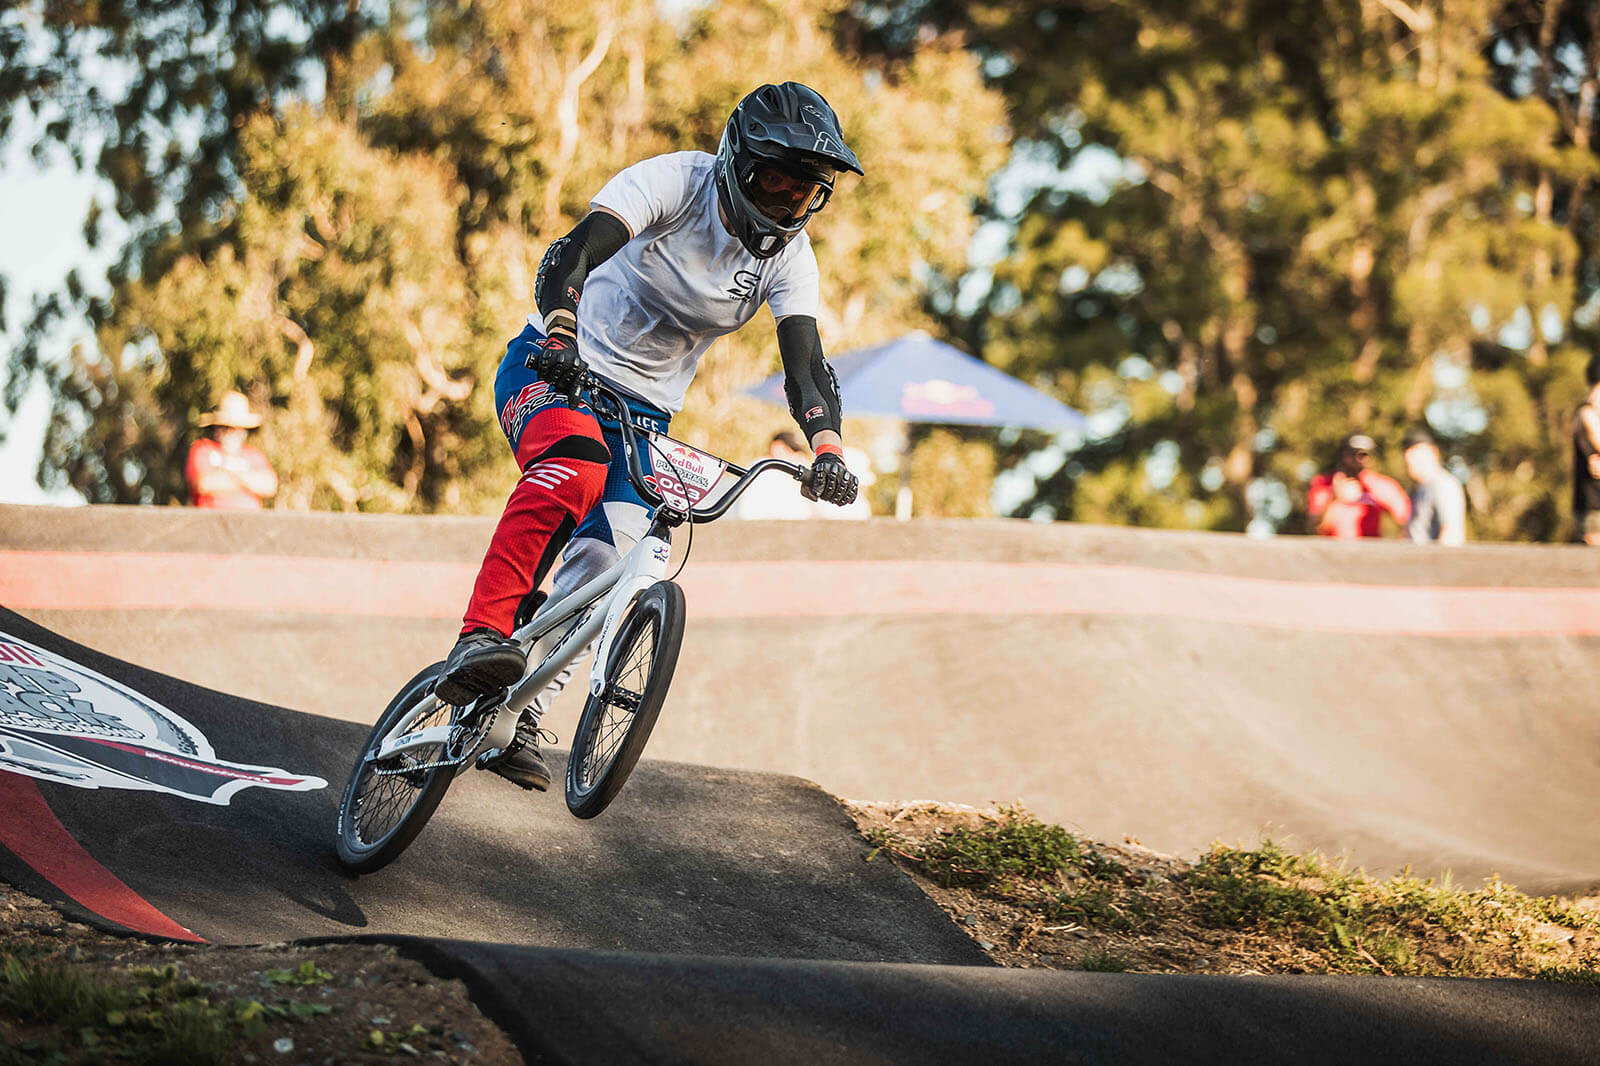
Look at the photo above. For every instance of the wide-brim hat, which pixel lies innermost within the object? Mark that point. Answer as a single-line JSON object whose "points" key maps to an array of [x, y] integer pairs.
{"points": [[234, 411]]}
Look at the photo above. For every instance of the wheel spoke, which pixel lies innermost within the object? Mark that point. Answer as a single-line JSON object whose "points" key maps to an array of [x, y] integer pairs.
{"points": [[623, 694], [382, 800]]}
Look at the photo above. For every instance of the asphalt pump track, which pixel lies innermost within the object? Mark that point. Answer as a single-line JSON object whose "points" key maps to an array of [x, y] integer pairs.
{"points": [[710, 916]]}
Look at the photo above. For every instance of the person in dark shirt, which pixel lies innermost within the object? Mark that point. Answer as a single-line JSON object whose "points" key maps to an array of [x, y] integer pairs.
{"points": [[1586, 459]]}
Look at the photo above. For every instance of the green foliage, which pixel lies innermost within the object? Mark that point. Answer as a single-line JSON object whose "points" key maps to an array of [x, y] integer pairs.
{"points": [[388, 1042], [1042, 868], [160, 1019], [1572, 975], [1016, 846], [49, 990], [1361, 923], [1087, 906], [359, 271], [1242, 888], [1286, 222], [1102, 960], [307, 973]]}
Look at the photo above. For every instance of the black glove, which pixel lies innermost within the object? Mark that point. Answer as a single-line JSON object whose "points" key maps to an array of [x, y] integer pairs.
{"points": [[558, 362], [829, 480]]}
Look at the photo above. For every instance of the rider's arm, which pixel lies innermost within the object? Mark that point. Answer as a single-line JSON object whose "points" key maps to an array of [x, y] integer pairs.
{"points": [[808, 381], [571, 259]]}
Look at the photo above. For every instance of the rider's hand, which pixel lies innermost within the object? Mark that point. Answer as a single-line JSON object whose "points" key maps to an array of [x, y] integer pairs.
{"points": [[558, 361], [829, 480]]}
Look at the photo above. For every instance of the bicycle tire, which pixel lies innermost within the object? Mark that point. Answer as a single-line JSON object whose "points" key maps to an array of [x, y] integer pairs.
{"points": [[360, 856], [655, 621]]}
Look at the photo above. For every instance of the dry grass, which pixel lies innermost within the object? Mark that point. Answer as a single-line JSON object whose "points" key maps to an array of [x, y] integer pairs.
{"points": [[70, 994], [1033, 894]]}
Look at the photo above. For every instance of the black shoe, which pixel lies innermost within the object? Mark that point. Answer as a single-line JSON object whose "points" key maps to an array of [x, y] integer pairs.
{"points": [[525, 765], [481, 662]]}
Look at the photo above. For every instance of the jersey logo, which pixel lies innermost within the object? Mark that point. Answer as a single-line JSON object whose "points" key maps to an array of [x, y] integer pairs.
{"points": [[744, 285]]}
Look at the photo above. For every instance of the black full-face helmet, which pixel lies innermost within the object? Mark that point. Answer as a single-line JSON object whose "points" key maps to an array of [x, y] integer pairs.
{"points": [[776, 164]]}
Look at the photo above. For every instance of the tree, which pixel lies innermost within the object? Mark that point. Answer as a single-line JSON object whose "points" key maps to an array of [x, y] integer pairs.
{"points": [[1313, 214], [376, 248]]}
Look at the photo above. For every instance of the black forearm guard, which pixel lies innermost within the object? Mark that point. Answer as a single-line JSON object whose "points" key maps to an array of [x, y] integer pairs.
{"points": [[808, 380], [571, 258]]}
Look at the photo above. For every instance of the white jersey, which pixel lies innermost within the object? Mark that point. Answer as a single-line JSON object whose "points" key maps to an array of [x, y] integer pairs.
{"points": [[649, 312]]}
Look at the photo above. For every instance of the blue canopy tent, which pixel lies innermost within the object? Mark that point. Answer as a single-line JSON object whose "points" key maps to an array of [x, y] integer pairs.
{"points": [[920, 379]]}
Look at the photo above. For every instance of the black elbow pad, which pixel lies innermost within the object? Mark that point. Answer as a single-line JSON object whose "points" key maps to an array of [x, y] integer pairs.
{"points": [[808, 381], [570, 259]]}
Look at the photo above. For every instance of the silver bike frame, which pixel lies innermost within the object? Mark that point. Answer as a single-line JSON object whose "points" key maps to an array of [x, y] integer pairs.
{"points": [[643, 565]]}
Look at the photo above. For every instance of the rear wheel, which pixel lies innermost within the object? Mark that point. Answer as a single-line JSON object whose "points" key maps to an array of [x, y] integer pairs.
{"points": [[615, 725], [387, 803]]}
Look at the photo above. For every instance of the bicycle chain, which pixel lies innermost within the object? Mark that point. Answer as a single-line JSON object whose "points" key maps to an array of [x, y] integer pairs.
{"points": [[379, 771]]}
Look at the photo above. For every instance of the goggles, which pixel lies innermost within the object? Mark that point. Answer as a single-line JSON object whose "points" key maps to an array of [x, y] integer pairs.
{"points": [[783, 197]]}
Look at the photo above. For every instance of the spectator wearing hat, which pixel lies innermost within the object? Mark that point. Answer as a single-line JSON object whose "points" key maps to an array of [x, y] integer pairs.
{"points": [[223, 470], [1586, 458], [1349, 500], [1438, 503]]}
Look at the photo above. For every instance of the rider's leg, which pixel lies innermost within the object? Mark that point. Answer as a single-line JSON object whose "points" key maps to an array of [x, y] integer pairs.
{"points": [[592, 551], [563, 458], [606, 534]]}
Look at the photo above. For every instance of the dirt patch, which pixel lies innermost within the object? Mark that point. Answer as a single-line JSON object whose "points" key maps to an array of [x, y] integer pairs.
{"points": [[1033, 895], [271, 1004]]}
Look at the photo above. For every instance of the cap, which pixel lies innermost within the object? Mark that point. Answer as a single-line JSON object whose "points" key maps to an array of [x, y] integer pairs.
{"points": [[234, 411], [1360, 442]]}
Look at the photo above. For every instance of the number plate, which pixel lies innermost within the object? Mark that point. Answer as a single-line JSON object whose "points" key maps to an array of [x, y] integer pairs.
{"points": [[683, 475]]}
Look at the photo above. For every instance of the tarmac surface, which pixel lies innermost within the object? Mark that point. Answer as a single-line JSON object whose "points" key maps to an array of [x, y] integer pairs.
{"points": [[732, 895], [1394, 705], [598, 1008], [688, 859]]}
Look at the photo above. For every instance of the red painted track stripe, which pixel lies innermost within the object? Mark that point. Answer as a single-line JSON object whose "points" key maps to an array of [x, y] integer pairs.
{"points": [[90, 581], [111, 581], [30, 830]]}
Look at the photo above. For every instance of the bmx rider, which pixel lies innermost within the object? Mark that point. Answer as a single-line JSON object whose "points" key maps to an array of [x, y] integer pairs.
{"points": [[676, 251]]}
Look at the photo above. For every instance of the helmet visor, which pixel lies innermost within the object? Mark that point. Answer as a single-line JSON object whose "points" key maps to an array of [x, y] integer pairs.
{"points": [[783, 197]]}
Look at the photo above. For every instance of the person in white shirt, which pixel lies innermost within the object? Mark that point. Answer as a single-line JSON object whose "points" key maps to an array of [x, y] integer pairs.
{"points": [[1438, 503], [676, 251], [771, 498]]}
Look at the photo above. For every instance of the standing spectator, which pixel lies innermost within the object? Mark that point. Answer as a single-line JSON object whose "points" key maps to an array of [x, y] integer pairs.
{"points": [[1349, 500], [1586, 458], [223, 470], [1438, 504], [777, 497]]}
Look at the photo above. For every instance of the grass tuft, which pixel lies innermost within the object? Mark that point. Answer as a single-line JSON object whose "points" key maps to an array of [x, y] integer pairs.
{"points": [[1017, 846], [1102, 960], [157, 1018], [1572, 975]]}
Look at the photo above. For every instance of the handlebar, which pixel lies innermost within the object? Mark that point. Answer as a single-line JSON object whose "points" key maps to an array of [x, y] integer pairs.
{"points": [[598, 389]]}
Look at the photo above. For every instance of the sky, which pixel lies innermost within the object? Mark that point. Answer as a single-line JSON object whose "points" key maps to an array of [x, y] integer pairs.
{"points": [[41, 220]]}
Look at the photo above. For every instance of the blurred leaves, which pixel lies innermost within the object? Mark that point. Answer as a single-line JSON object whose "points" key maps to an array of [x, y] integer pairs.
{"points": [[1267, 225], [339, 210]]}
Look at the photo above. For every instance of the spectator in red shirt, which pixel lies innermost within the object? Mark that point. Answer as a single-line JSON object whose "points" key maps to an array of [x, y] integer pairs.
{"points": [[223, 470], [1349, 500]]}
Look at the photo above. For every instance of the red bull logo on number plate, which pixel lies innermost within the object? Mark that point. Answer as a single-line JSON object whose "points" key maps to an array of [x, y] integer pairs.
{"points": [[62, 722]]}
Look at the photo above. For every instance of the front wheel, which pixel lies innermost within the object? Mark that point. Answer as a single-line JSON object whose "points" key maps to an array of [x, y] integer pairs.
{"points": [[387, 803], [615, 725]]}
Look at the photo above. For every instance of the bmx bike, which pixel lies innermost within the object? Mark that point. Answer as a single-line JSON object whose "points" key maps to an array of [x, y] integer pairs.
{"points": [[420, 743]]}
